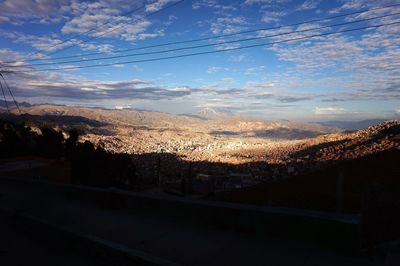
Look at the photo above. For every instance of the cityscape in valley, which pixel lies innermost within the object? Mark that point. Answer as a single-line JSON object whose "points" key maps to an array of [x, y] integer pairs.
{"points": [[210, 157], [225, 138], [204, 132]]}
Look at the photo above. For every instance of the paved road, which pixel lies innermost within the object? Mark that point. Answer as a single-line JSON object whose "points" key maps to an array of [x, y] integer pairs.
{"points": [[163, 237]]}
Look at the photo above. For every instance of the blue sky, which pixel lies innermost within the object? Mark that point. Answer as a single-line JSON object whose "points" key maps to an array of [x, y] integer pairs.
{"points": [[353, 75]]}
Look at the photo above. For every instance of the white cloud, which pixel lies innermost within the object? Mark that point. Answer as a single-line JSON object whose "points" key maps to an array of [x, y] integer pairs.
{"points": [[109, 25], [370, 63], [228, 25], [53, 43], [181, 88], [254, 70], [214, 69], [329, 110], [4, 19], [333, 51], [266, 2], [81, 18], [360, 4], [272, 16], [237, 58], [204, 3], [259, 84], [309, 4], [19, 12], [157, 5], [122, 107], [222, 9], [7, 55]]}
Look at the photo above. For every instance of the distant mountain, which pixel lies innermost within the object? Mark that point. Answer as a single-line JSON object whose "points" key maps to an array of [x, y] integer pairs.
{"points": [[12, 104], [211, 113], [352, 125], [214, 122], [193, 116]]}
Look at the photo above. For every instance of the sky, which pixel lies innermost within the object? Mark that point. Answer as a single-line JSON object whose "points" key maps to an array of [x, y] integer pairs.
{"points": [[352, 75]]}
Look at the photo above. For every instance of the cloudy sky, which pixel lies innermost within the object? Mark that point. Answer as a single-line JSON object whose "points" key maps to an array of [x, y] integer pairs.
{"points": [[347, 76]]}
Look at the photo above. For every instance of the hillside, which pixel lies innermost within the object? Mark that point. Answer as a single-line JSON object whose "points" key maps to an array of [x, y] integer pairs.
{"points": [[231, 139], [196, 138], [352, 125]]}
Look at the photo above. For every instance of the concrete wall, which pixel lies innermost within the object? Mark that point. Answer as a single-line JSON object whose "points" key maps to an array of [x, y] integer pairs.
{"points": [[322, 228], [325, 229]]}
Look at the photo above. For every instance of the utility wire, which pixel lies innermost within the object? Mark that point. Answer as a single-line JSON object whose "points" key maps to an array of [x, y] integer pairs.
{"points": [[8, 87], [210, 52], [5, 99], [117, 27], [219, 36], [207, 45], [82, 33], [99, 35]]}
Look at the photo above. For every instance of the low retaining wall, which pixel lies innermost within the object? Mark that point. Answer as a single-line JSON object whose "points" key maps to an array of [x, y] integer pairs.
{"points": [[325, 229]]}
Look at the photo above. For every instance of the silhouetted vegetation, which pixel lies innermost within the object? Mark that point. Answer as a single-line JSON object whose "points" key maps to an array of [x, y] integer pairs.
{"points": [[50, 144], [16, 140], [95, 166], [89, 165]]}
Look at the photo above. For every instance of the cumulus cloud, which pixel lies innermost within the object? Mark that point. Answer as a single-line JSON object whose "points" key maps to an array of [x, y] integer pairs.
{"points": [[347, 5], [219, 8], [329, 110], [52, 43], [227, 25], [204, 3], [214, 69], [110, 20], [272, 16], [237, 58], [20, 12], [157, 5], [266, 2], [7, 55], [259, 84], [364, 67], [254, 70], [333, 51], [309, 4]]}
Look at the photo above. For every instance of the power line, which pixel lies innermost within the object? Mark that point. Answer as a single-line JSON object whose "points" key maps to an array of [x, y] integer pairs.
{"points": [[207, 45], [99, 35], [209, 52], [5, 99], [83, 33], [220, 36], [12, 96], [120, 26]]}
